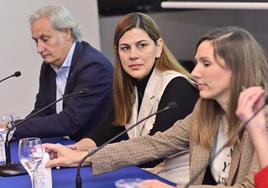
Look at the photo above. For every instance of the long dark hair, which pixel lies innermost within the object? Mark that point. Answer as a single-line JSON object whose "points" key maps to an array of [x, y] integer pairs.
{"points": [[122, 87]]}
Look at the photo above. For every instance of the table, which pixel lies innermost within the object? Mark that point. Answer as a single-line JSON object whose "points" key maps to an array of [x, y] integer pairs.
{"points": [[65, 177]]}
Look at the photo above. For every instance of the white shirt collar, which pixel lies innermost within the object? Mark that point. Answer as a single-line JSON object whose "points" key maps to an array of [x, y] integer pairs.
{"points": [[68, 60]]}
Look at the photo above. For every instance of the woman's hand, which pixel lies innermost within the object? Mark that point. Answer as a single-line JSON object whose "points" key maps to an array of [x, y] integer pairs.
{"points": [[83, 145], [249, 102], [154, 184], [63, 156]]}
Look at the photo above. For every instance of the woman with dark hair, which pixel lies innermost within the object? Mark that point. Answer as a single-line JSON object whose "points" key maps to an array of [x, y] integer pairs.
{"points": [[147, 77], [227, 59]]}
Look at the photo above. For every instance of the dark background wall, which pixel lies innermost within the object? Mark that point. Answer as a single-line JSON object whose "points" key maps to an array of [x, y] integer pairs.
{"points": [[182, 28]]}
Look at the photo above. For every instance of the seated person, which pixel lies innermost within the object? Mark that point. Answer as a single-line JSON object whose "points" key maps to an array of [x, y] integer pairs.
{"points": [[224, 59], [147, 78], [69, 66]]}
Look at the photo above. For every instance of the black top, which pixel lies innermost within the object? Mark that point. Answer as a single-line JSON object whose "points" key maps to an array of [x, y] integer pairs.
{"points": [[208, 178], [178, 90], [141, 86]]}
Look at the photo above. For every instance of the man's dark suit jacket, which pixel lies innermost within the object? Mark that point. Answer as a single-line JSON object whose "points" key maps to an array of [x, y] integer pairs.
{"points": [[89, 70]]}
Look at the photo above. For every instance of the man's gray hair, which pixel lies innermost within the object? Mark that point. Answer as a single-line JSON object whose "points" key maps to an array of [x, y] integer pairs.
{"points": [[60, 19]]}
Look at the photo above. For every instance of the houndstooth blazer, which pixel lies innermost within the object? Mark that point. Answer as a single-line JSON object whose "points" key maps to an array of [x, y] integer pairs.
{"points": [[178, 138]]}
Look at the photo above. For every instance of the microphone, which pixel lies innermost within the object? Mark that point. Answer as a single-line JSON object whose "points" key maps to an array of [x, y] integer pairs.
{"points": [[226, 144], [78, 182], [11, 169], [16, 74]]}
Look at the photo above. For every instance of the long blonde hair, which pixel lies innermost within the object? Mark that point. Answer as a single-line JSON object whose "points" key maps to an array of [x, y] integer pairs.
{"points": [[123, 90], [245, 58]]}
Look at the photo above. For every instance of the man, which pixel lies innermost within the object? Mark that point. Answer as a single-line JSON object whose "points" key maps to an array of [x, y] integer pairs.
{"points": [[68, 66]]}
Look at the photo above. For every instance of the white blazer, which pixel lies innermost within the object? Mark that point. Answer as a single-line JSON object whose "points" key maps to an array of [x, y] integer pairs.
{"points": [[154, 90], [175, 168]]}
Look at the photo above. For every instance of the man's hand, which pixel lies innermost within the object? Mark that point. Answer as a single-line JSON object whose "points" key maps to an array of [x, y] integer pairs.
{"points": [[3, 126]]}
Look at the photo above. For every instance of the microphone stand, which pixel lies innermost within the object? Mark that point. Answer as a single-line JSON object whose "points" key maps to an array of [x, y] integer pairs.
{"points": [[13, 169], [78, 182], [225, 145], [16, 74]]}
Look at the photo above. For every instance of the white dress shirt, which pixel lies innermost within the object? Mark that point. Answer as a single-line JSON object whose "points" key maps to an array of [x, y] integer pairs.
{"points": [[62, 76]]}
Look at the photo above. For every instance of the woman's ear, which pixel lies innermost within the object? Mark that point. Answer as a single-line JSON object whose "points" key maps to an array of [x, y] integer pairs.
{"points": [[159, 47]]}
